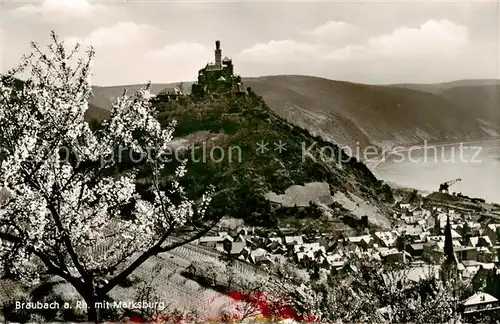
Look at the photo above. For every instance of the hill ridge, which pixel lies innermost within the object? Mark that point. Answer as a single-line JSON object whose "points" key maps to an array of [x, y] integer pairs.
{"points": [[361, 115]]}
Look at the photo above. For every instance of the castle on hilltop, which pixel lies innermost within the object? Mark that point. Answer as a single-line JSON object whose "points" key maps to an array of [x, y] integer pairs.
{"points": [[218, 76]]}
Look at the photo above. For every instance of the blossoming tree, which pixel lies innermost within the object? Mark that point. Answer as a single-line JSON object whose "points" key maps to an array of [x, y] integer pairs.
{"points": [[66, 210]]}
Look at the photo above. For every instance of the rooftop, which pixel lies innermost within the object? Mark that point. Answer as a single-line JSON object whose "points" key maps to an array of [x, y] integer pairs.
{"points": [[480, 298]]}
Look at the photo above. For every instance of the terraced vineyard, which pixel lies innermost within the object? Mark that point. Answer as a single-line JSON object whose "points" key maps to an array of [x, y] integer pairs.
{"points": [[163, 273]]}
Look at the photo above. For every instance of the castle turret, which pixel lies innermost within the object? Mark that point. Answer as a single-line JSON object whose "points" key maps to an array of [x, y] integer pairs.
{"points": [[218, 54]]}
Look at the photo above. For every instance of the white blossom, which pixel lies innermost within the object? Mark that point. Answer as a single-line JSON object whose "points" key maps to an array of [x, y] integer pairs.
{"points": [[64, 218]]}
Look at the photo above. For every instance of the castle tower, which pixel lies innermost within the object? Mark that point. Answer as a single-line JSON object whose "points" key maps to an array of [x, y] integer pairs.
{"points": [[218, 54]]}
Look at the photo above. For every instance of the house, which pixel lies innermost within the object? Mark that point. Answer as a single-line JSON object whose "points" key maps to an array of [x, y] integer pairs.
{"points": [[308, 247], [484, 255], [264, 260], [459, 228], [301, 296], [474, 228], [364, 241], [220, 247], [272, 245], [335, 261], [305, 258], [259, 256], [168, 94], [276, 239], [420, 212], [277, 258], [308, 252], [493, 232], [432, 252], [243, 231], [496, 253], [455, 235], [415, 250], [411, 230], [281, 250], [479, 241], [386, 239], [210, 241], [423, 272], [404, 206], [414, 273], [395, 256], [479, 303], [236, 248], [466, 253], [292, 240], [324, 241], [245, 254], [478, 281], [240, 238], [227, 241], [424, 236], [441, 239]]}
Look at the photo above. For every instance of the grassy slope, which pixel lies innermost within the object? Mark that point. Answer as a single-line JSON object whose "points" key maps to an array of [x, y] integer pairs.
{"points": [[243, 122]]}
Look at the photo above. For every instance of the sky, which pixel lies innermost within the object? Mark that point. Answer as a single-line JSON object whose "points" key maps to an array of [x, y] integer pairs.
{"points": [[376, 42]]}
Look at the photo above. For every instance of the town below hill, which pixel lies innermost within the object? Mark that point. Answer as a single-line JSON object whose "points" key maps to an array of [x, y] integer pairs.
{"points": [[418, 239]]}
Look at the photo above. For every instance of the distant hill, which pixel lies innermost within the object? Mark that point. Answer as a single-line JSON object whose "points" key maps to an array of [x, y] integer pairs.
{"points": [[360, 115], [103, 97], [437, 88], [383, 115], [480, 97]]}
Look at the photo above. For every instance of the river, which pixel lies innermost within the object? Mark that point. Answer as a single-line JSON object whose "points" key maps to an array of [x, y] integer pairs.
{"points": [[424, 168]]}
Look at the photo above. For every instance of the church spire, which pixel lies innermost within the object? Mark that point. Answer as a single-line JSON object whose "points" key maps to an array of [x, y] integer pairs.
{"points": [[449, 254], [449, 267]]}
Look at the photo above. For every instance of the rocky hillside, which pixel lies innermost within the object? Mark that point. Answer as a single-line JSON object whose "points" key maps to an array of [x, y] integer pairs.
{"points": [[382, 115], [240, 145], [481, 97], [484, 101]]}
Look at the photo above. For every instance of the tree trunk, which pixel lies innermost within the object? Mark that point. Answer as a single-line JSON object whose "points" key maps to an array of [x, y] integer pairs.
{"points": [[92, 311]]}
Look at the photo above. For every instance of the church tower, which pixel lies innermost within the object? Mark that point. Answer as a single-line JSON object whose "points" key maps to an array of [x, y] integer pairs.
{"points": [[218, 54], [449, 267]]}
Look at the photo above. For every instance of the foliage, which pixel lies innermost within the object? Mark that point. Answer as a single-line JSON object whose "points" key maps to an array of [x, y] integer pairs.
{"points": [[370, 291], [237, 124], [68, 212]]}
